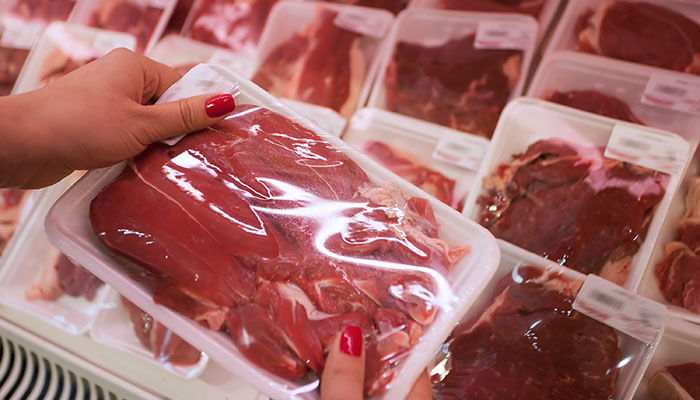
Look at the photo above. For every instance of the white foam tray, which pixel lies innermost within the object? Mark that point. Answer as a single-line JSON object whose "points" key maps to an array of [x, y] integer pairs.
{"points": [[69, 228], [113, 328], [525, 121]]}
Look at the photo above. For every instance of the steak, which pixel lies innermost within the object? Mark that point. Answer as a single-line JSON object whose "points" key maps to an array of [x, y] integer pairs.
{"points": [[631, 31], [260, 228], [529, 343], [61, 277], [569, 204], [531, 7], [454, 84], [323, 64], [595, 102], [677, 382], [129, 17]]}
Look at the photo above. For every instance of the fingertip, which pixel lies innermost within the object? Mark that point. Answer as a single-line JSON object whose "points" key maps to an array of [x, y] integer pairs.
{"points": [[220, 105]]}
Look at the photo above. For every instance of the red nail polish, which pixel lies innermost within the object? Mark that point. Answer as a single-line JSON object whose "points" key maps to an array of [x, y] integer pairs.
{"points": [[351, 341], [220, 105]]}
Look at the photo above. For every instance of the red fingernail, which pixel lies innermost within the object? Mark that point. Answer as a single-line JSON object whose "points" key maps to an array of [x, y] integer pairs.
{"points": [[351, 341], [220, 105]]}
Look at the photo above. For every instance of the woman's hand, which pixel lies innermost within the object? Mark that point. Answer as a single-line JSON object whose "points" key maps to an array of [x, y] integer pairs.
{"points": [[95, 117], [344, 374]]}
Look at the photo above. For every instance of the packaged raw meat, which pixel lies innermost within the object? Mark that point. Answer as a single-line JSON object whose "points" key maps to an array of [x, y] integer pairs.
{"points": [[236, 24], [390, 5], [68, 297], [177, 20], [557, 184], [525, 329], [307, 249], [411, 149], [676, 382], [629, 30], [323, 54], [329, 120], [17, 36], [144, 19], [63, 48], [125, 327], [41, 10], [438, 74], [12, 205], [613, 88]]}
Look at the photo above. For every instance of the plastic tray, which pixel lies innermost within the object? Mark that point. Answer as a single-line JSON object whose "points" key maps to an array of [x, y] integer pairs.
{"points": [[82, 14], [429, 27], [525, 120], [567, 70], [71, 40], [113, 328], [69, 228], [28, 253], [412, 136]]}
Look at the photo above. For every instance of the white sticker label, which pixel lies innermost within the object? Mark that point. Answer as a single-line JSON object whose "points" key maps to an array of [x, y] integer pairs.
{"points": [[363, 22], [637, 316], [672, 92], [463, 150], [647, 149], [105, 42], [504, 35], [19, 33]]}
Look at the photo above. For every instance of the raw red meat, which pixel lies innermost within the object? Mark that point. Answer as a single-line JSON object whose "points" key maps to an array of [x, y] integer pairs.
{"points": [[454, 84], [403, 165], [529, 343], [11, 62], [57, 64], [676, 382], [392, 5], [595, 102], [236, 24], [678, 275], [127, 16], [323, 64], [532, 7], [166, 346], [259, 227], [46, 10], [177, 20], [632, 31], [63, 277], [11, 203], [569, 204]]}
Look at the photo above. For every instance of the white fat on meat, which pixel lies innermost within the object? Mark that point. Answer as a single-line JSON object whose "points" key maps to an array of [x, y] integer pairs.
{"points": [[591, 34], [511, 69]]}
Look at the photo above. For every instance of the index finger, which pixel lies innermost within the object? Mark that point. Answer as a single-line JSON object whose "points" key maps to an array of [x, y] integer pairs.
{"points": [[344, 374]]}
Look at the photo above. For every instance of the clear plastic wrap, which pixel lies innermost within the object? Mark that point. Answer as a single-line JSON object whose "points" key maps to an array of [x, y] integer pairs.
{"points": [[629, 30], [41, 10], [323, 54], [526, 340], [316, 237], [434, 71], [556, 184], [17, 36]]}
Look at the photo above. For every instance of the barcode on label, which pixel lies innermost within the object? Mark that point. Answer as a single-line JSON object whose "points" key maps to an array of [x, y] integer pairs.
{"points": [[671, 90], [646, 148], [608, 300], [633, 144]]}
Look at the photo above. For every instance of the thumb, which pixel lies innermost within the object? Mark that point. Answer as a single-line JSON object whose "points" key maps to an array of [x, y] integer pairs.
{"points": [[344, 374], [187, 115]]}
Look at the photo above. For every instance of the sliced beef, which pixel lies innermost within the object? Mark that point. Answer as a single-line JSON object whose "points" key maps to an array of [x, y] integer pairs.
{"points": [[63, 277], [127, 16], [595, 102]]}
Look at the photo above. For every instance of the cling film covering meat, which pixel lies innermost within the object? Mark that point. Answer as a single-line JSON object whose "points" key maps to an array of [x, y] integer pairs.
{"points": [[529, 343], [135, 18], [44, 10], [572, 205], [62, 277], [11, 204], [680, 381], [11, 62], [595, 102], [260, 228]]}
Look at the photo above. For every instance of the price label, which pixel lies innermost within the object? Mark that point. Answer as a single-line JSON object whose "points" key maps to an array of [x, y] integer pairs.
{"points": [[106, 42], [672, 92], [364, 22], [460, 149], [647, 149], [18, 33], [637, 316], [504, 35]]}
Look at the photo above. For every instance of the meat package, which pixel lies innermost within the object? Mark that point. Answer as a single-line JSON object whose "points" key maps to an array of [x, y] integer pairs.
{"points": [[42, 10], [549, 187], [11, 62], [676, 382], [145, 20], [236, 24], [312, 244], [629, 30], [179, 16], [616, 89], [17, 36], [525, 329], [12, 202], [438, 75], [390, 5], [311, 53], [62, 277], [407, 148]]}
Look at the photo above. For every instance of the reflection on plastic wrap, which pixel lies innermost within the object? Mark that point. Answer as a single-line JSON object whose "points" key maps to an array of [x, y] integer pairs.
{"points": [[236, 24], [595, 102], [11, 62], [45, 10], [404, 165], [676, 382], [528, 343], [166, 346], [11, 202], [630, 31], [531, 7], [454, 84], [391, 5], [61, 277], [129, 17], [678, 275], [261, 228], [322, 64], [570, 204]]}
